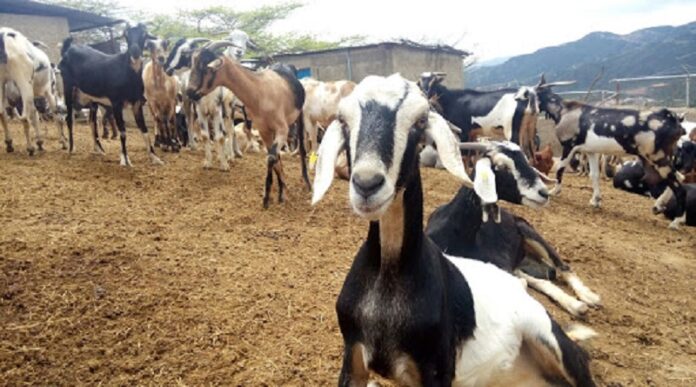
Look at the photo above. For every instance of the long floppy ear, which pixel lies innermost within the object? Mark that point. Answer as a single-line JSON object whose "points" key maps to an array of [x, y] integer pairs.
{"points": [[447, 147], [216, 64], [484, 181], [331, 145]]}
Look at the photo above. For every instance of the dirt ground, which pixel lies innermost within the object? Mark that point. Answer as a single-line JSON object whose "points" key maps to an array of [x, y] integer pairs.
{"points": [[175, 275]]}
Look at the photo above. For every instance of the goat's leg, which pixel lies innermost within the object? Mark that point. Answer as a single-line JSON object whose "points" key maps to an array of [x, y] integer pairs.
{"points": [[205, 137], [568, 152], [37, 129], [118, 116], [219, 133], [538, 249], [140, 121], [98, 148], [272, 159], [3, 121], [28, 111], [112, 122], [566, 301], [353, 372], [173, 133], [68, 93], [593, 160]]}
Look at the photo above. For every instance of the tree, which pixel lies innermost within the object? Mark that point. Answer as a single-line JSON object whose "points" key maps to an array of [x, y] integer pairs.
{"points": [[106, 8]]}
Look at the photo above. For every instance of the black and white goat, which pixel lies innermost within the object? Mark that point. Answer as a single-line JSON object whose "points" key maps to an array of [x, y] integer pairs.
{"points": [[26, 69], [595, 130], [459, 229], [407, 311], [113, 80], [508, 114]]}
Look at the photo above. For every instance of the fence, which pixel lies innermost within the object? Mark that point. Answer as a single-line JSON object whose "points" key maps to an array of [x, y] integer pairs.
{"points": [[660, 90]]}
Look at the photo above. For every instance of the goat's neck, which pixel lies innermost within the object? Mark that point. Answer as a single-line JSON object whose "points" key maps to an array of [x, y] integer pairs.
{"points": [[465, 213], [243, 82], [157, 72], [399, 232]]}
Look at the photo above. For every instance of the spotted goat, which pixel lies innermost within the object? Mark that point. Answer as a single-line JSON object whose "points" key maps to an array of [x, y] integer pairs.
{"points": [[407, 311]]}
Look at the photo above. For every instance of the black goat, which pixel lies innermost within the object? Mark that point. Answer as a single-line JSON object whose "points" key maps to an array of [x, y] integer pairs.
{"points": [[407, 311], [112, 79], [457, 227]]}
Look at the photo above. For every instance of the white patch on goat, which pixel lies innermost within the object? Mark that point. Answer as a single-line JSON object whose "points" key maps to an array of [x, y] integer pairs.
{"points": [[628, 184], [645, 142], [566, 301], [499, 115], [505, 316], [655, 124], [628, 121], [601, 144]]}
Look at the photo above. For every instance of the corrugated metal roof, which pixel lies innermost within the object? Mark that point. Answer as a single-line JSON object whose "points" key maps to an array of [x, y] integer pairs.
{"points": [[401, 43], [77, 20]]}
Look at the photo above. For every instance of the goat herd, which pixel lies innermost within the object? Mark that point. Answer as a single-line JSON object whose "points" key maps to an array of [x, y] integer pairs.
{"points": [[411, 309]]}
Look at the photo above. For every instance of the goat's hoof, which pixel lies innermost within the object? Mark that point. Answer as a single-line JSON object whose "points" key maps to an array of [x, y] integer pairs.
{"points": [[8, 146], [596, 203], [673, 226], [225, 168], [31, 151], [156, 160], [266, 203], [658, 210], [590, 298], [125, 161], [555, 191], [39, 146], [578, 308], [114, 136]]}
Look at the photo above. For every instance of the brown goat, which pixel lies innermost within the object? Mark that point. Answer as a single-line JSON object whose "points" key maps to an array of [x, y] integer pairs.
{"points": [[160, 93], [543, 159], [273, 99]]}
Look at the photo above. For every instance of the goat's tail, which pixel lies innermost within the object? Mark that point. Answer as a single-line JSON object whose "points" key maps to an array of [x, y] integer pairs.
{"points": [[66, 45], [303, 151], [3, 52]]}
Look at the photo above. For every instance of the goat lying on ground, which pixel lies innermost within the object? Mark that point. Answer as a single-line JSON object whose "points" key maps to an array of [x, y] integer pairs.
{"points": [[273, 98], [594, 130], [407, 311], [29, 71], [113, 79], [457, 227]]}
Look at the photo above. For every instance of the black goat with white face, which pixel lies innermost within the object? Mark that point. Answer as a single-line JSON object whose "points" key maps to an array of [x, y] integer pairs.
{"points": [[407, 311], [457, 227]]}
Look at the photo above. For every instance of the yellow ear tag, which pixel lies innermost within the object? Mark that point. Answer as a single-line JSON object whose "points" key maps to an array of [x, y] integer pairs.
{"points": [[313, 158]]}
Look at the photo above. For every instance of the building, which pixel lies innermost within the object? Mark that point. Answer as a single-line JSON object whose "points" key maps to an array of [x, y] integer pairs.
{"points": [[356, 62], [48, 23]]}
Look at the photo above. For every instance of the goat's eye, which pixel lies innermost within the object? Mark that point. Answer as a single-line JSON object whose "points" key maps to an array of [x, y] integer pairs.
{"points": [[422, 123]]}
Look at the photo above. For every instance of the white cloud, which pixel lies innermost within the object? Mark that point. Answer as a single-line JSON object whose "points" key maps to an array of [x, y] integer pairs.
{"points": [[491, 28]]}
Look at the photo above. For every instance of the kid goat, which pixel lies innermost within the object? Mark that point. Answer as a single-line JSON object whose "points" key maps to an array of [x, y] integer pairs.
{"points": [[407, 311]]}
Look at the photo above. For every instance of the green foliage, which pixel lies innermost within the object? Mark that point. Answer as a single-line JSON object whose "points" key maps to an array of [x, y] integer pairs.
{"points": [[215, 22]]}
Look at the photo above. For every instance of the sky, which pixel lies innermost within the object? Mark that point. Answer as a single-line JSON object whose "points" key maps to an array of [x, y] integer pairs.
{"points": [[489, 28]]}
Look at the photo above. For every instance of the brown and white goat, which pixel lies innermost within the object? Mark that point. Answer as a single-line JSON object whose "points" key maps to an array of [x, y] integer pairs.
{"points": [[272, 97], [320, 108], [160, 92]]}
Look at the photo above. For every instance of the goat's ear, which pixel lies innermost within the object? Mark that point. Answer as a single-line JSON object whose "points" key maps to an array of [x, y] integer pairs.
{"points": [[165, 44], [447, 147], [216, 64], [331, 145], [484, 181]]}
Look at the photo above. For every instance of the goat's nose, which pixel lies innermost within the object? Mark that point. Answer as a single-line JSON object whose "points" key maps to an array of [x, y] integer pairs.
{"points": [[366, 186], [544, 193]]}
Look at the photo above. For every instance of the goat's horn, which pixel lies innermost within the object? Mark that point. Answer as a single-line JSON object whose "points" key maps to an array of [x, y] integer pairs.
{"points": [[474, 146], [199, 40], [218, 44], [454, 128], [40, 44], [544, 178], [559, 83]]}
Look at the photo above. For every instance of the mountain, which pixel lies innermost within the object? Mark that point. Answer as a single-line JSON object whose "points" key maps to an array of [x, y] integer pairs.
{"points": [[650, 51]]}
